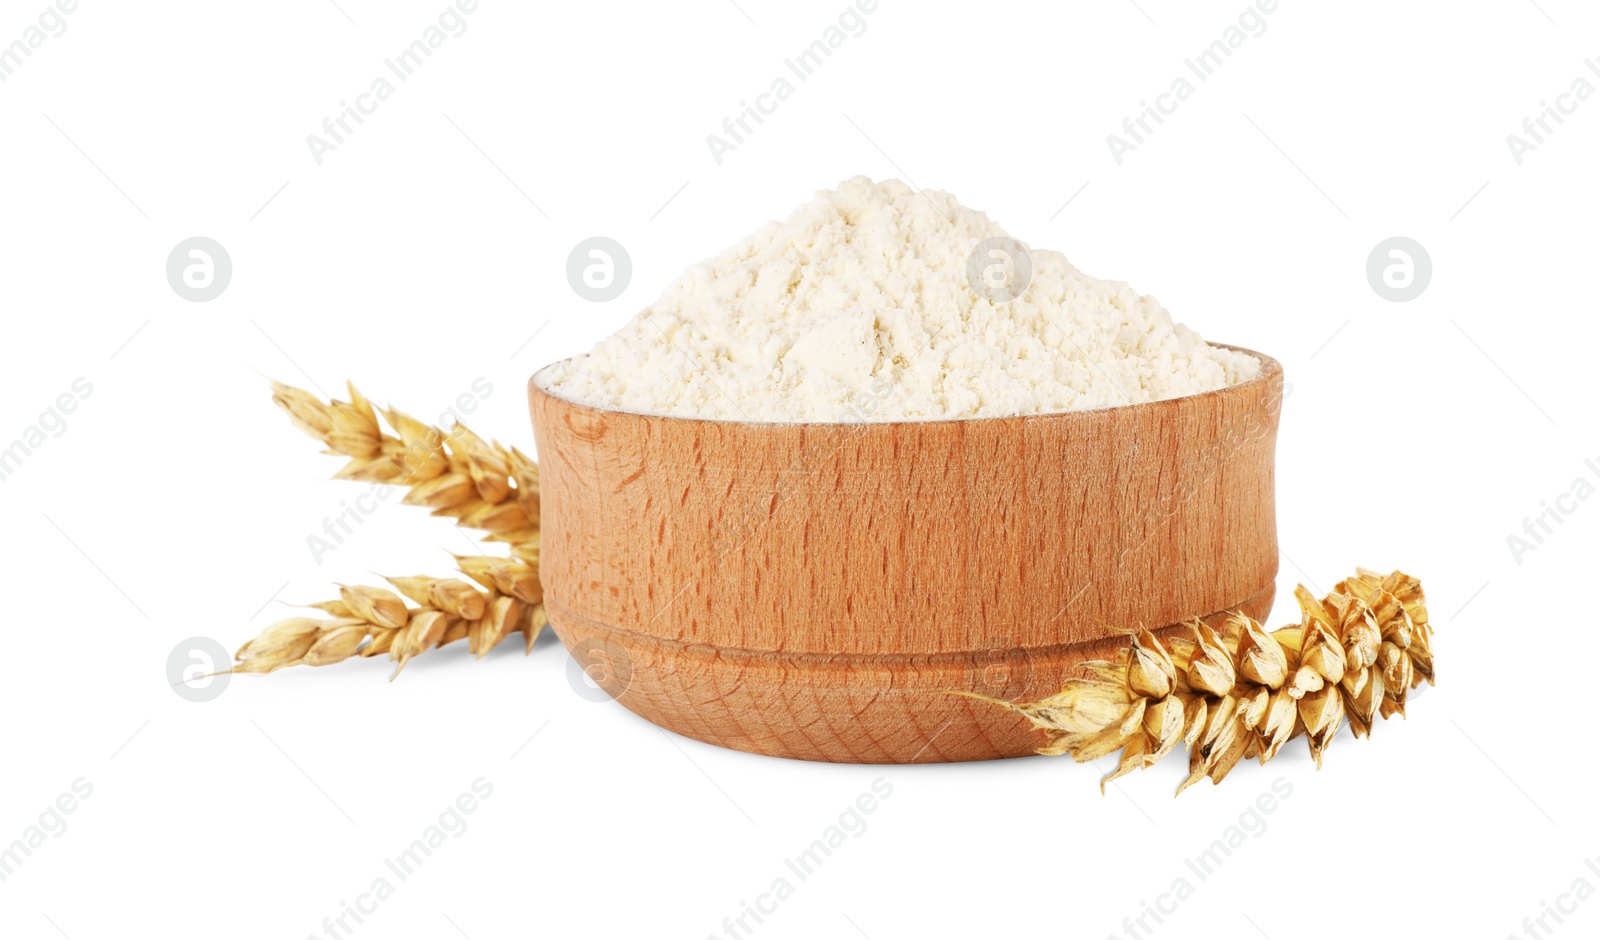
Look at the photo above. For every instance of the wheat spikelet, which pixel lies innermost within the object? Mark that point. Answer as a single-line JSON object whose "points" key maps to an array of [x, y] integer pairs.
{"points": [[370, 621], [1243, 692], [481, 484]]}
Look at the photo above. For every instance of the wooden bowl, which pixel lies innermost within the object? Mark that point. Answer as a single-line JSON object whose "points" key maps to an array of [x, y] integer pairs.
{"points": [[813, 590]]}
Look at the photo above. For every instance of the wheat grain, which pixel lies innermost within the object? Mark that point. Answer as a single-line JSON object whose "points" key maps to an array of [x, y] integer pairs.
{"points": [[1243, 692]]}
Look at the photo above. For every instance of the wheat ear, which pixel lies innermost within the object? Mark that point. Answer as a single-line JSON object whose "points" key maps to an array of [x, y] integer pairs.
{"points": [[1243, 692], [481, 484], [369, 621]]}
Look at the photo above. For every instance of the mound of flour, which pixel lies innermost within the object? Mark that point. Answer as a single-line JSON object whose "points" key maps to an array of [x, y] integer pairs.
{"points": [[858, 307]]}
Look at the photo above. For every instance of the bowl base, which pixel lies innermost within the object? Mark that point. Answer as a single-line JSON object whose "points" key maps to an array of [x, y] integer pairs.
{"points": [[849, 709]]}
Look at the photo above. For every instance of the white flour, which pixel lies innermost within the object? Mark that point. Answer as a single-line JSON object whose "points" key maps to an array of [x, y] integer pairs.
{"points": [[858, 307]]}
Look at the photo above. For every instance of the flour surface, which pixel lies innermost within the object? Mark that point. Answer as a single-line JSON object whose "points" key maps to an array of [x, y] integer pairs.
{"points": [[858, 307]]}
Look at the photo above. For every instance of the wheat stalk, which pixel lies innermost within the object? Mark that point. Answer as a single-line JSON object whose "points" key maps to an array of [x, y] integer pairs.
{"points": [[482, 485], [1243, 692]]}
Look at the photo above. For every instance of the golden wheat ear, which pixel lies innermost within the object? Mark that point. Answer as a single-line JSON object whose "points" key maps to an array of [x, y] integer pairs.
{"points": [[371, 621], [1243, 692], [481, 484]]}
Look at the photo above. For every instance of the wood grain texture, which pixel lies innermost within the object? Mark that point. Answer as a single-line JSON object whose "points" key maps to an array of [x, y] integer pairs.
{"points": [[810, 590]]}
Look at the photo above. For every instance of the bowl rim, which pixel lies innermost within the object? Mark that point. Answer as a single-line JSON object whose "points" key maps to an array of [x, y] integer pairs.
{"points": [[1271, 370]]}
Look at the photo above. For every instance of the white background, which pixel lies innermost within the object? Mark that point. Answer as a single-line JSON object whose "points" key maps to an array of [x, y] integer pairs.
{"points": [[425, 251]]}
